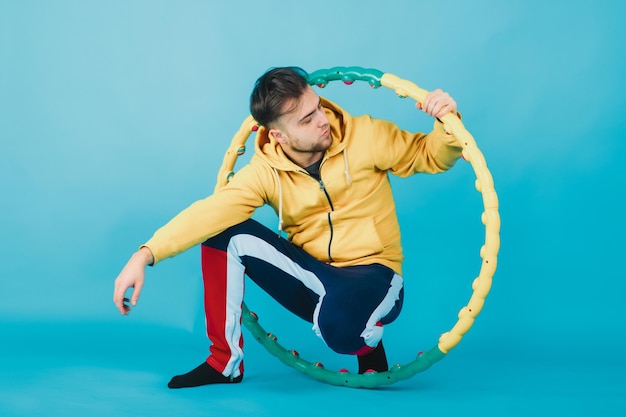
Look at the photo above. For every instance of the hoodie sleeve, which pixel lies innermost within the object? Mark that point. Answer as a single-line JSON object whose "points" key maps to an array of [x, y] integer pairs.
{"points": [[405, 153], [206, 218]]}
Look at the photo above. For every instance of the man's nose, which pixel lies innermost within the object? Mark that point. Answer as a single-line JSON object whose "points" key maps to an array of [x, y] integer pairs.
{"points": [[323, 120]]}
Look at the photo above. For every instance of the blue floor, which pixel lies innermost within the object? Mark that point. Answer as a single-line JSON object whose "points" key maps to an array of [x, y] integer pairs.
{"points": [[121, 368]]}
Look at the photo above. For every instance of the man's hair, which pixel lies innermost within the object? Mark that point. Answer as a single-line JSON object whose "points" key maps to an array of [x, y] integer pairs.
{"points": [[275, 88]]}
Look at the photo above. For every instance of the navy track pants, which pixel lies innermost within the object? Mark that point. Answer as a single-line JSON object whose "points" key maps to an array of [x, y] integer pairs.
{"points": [[347, 306]]}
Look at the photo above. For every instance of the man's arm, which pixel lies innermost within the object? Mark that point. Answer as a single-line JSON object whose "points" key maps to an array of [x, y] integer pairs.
{"points": [[405, 153], [199, 221], [132, 276]]}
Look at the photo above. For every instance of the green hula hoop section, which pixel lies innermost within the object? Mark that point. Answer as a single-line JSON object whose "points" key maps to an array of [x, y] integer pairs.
{"points": [[481, 285]]}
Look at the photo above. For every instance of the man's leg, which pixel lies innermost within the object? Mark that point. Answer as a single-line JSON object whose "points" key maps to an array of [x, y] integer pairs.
{"points": [[374, 360], [223, 293], [252, 249], [359, 301]]}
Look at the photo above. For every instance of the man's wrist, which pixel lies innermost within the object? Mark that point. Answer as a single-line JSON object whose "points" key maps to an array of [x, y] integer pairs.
{"points": [[145, 254]]}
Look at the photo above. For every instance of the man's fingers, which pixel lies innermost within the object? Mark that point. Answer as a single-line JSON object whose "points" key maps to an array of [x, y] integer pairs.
{"points": [[430, 105], [443, 110], [437, 104], [119, 299], [136, 293]]}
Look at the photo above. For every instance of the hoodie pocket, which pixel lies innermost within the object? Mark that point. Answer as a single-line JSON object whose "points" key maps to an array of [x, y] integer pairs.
{"points": [[355, 239]]}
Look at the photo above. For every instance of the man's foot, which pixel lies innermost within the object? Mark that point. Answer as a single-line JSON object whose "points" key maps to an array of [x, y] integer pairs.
{"points": [[376, 360], [202, 375]]}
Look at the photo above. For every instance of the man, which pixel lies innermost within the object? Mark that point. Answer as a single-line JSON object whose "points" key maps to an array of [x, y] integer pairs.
{"points": [[326, 175]]}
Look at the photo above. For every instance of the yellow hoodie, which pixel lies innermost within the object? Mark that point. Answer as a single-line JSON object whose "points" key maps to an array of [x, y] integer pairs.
{"points": [[347, 219]]}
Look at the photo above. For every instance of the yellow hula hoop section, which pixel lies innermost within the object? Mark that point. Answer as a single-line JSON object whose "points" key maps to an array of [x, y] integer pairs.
{"points": [[488, 252], [490, 217]]}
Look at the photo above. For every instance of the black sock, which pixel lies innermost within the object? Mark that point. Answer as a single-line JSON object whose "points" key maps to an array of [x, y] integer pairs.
{"points": [[202, 375], [376, 360]]}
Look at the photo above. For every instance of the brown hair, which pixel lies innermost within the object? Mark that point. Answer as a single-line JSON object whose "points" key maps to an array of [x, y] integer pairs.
{"points": [[273, 89]]}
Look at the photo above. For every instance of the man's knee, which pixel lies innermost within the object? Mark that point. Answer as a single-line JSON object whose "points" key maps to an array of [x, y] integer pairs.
{"points": [[345, 336], [222, 240]]}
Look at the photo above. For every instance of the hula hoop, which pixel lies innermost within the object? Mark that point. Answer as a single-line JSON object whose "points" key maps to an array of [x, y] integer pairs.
{"points": [[488, 252]]}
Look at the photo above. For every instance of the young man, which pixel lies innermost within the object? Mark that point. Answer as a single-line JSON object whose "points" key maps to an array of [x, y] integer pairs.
{"points": [[326, 175]]}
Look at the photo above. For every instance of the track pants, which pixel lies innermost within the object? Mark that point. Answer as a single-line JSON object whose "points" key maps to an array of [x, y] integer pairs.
{"points": [[347, 306]]}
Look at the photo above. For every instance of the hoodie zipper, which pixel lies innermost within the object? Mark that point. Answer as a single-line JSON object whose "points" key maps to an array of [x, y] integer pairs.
{"points": [[330, 222], [332, 208]]}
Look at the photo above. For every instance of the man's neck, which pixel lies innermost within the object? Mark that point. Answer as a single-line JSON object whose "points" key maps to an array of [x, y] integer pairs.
{"points": [[304, 159]]}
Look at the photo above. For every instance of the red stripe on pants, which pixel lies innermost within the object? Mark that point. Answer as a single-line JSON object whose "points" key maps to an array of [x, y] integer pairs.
{"points": [[214, 276]]}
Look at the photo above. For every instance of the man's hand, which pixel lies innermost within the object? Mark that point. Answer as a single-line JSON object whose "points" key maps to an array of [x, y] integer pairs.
{"points": [[132, 276], [437, 103]]}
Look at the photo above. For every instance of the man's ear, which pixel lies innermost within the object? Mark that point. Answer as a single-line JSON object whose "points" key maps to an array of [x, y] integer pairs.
{"points": [[277, 135]]}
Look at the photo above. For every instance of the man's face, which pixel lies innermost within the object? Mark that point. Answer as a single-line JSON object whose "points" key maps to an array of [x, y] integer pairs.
{"points": [[304, 131]]}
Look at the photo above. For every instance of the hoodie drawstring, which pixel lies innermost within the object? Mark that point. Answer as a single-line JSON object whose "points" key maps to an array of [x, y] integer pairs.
{"points": [[280, 202], [345, 160]]}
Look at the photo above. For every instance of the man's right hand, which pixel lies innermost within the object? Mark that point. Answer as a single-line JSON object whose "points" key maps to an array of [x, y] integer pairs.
{"points": [[132, 276]]}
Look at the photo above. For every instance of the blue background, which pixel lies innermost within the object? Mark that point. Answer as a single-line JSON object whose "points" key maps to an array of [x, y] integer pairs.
{"points": [[114, 115]]}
